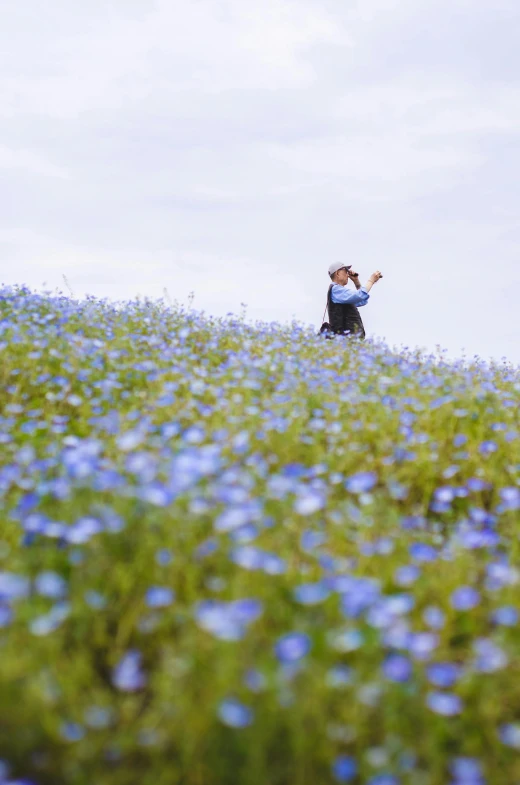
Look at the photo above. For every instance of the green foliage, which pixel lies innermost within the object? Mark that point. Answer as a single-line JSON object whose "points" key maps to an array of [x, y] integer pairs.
{"points": [[146, 446]]}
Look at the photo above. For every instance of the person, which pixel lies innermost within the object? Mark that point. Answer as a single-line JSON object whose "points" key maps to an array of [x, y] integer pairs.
{"points": [[343, 303]]}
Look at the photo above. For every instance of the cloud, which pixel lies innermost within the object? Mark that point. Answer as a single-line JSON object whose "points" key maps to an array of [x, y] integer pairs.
{"points": [[28, 161], [113, 60]]}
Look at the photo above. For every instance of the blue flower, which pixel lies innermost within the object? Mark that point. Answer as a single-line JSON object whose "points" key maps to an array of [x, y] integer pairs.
{"points": [[399, 604], [488, 656], [309, 502], [13, 587], [422, 644], [422, 552], [273, 564], [434, 617], [407, 574], [509, 734], [397, 668], [248, 556], [130, 440], [292, 647], [159, 597], [445, 494], [357, 594], [413, 522], [345, 640], [50, 584], [397, 490], [128, 676], [246, 533], [95, 600], [507, 616], [362, 482], [194, 435], [510, 498], [444, 703], [4, 770], [466, 771], [499, 575], [465, 598], [255, 680], [344, 768], [481, 517], [443, 674], [487, 447], [311, 593], [71, 731], [83, 531], [245, 611], [476, 484], [206, 548], [339, 676], [234, 714], [6, 615], [311, 540], [163, 557], [459, 440], [98, 717], [232, 518], [44, 625], [156, 494], [227, 621]]}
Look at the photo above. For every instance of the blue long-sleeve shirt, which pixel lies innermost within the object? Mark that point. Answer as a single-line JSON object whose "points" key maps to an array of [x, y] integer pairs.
{"points": [[340, 294]]}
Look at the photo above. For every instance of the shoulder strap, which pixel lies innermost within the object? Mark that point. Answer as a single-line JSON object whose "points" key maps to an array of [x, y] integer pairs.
{"points": [[326, 307]]}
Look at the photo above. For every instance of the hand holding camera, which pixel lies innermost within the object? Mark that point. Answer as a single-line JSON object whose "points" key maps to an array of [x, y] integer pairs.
{"points": [[374, 278]]}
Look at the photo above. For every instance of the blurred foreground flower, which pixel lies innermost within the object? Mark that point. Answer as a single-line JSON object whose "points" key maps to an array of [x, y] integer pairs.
{"points": [[234, 714], [127, 675], [292, 647]]}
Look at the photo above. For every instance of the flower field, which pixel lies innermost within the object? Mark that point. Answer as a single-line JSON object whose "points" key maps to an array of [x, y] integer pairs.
{"points": [[236, 553]]}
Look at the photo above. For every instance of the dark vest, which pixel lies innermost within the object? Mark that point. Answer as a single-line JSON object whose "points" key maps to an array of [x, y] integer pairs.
{"points": [[344, 318]]}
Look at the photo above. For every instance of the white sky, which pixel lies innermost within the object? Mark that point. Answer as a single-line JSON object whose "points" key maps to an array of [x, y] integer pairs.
{"points": [[235, 148]]}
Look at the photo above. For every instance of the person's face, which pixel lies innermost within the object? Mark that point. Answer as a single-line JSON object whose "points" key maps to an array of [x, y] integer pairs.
{"points": [[342, 276]]}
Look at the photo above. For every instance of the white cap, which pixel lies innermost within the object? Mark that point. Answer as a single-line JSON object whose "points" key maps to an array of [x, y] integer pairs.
{"points": [[337, 266]]}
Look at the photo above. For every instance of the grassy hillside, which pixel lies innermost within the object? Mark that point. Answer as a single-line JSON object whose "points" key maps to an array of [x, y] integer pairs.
{"points": [[246, 554]]}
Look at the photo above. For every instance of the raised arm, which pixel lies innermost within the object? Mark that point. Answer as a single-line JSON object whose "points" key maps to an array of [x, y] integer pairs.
{"points": [[340, 294], [374, 278]]}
